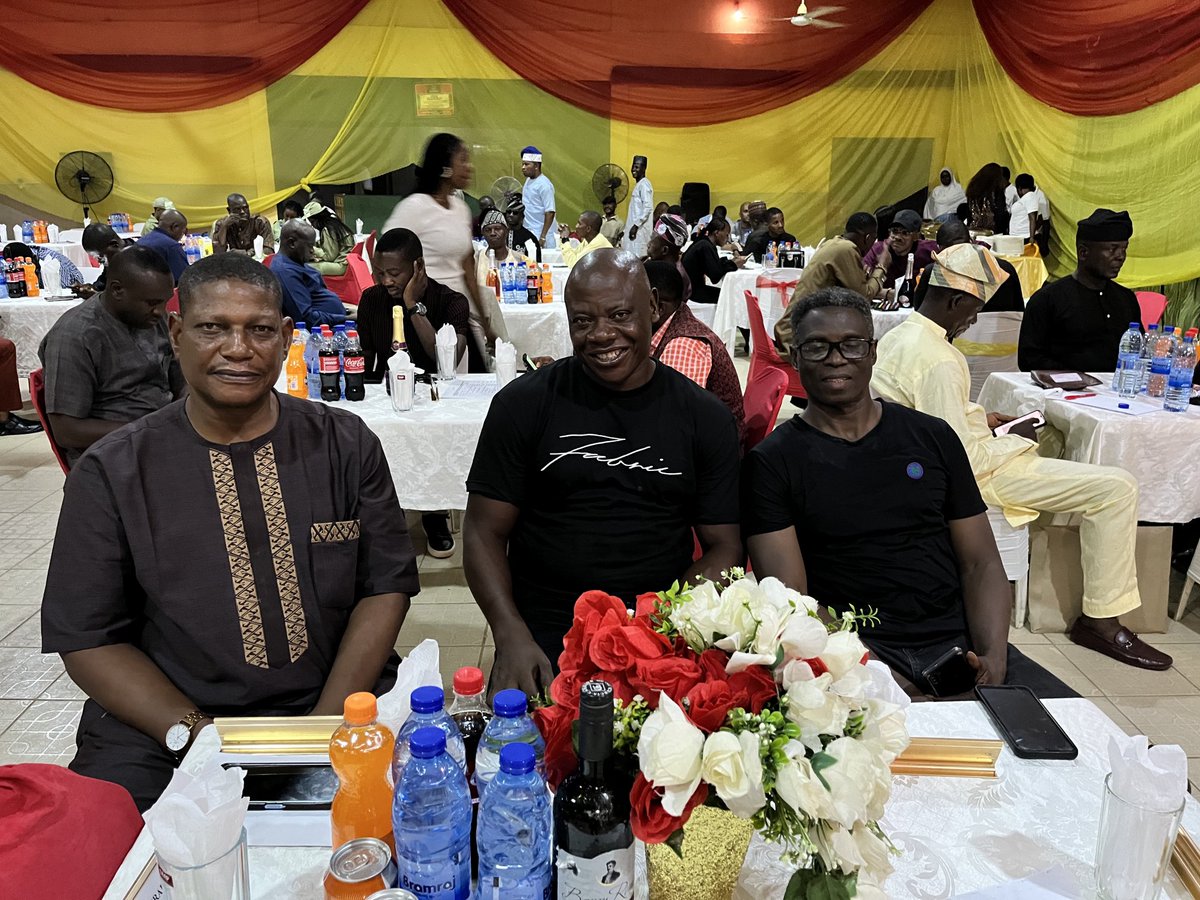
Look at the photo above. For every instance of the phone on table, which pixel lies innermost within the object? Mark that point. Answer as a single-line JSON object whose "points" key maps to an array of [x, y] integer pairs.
{"points": [[1036, 418], [288, 785], [950, 674], [1025, 724]]}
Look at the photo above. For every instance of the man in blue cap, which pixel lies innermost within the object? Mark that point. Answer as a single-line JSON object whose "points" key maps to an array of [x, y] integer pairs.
{"points": [[538, 194]]}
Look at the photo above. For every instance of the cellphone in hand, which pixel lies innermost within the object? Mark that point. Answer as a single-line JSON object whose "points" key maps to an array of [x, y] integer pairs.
{"points": [[1035, 418], [950, 674]]}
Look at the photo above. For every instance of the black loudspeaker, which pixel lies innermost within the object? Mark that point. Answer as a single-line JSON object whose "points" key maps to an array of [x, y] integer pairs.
{"points": [[694, 200]]}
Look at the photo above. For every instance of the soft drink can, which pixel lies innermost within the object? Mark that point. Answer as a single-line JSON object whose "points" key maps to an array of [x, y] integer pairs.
{"points": [[393, 894], [358, 869]]}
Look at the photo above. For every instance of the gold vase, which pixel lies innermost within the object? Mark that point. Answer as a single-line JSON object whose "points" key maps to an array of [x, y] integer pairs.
{"points": [[714, 848]]}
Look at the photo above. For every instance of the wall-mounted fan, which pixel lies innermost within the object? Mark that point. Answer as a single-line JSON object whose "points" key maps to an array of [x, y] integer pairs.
{"points": [[84, 178], [610, 179]]}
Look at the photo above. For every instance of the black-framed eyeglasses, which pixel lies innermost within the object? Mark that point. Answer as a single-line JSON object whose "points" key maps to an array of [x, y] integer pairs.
{"points": [[851, 349], [897, 230]]}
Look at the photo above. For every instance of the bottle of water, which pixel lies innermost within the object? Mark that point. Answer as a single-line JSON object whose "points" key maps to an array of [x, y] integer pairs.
{"points": [[432, 821], [515, 830], [428, 710], [510, 724], [1160, 363], [1129, 362], [1147, 351], [1179, 382], [521, 283], [312, 361]]}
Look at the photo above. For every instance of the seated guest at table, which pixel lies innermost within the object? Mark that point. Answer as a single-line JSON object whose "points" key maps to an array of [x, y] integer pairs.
{"points": [[335, 240], [670, 234], [161, 205], [296, 496], [291, 210], [613, 226], [924, 557], [741, 230], [660, 210], [486, 205], [10, 394], [701, 260], [591, 474], [904, 237], [1076, 323], [69, 275], [495, 234], [305, 296], [687, 345], [235, 233], [837, 262], [944, 197], [774, 233], [587, 229], [164, 240], [721, 212], [108, 361], [519, 237], [1023, 214], [99, 240], [1007, 297], [920, 368]]}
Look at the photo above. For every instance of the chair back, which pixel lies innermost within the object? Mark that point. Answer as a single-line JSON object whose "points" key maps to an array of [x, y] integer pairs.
{"points": [[266, 260], [360, 272], [762, 401], [37, 394], [762, 350], [369, 249], [1153, 305], [990, 345], [173, 303]]}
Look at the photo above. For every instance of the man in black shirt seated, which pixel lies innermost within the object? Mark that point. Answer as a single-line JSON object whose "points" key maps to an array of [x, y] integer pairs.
{"points": [[864, 503], [1076, 323], [773, 233], [592, 474], [1007, 297]]}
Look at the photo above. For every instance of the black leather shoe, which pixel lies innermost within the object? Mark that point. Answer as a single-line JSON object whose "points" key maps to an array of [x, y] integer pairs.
{"points": [[17, 425], [439, 540], [1124, 646]]}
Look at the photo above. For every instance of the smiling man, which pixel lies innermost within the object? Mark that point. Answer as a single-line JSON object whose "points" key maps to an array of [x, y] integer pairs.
{"points": [[592, 473], [238, 553]]}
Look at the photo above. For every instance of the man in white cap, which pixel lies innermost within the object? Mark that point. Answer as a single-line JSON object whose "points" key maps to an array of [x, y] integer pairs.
{"points": [[641, 207], [161, 205], [538, 195]]}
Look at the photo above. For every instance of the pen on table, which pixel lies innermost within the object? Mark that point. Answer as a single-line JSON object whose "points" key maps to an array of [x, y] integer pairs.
{"points": [[1077, 396]]}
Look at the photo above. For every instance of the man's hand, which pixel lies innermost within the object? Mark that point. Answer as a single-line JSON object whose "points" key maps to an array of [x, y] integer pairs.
{"points": [[995, 420], [888, 302], [739, 260], [520, 664], [633, 233], [564, 232], [83, 291], [988, 669], [884, 259], [415, 289], [351, 309]]}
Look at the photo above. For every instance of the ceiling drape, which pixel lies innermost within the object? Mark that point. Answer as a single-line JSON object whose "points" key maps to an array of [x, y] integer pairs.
{"points": [[1095, 57], [158, 57]]}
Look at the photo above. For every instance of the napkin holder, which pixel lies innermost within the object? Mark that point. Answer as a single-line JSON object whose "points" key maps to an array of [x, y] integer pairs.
{"points": [[949, 758], [277, 735]]}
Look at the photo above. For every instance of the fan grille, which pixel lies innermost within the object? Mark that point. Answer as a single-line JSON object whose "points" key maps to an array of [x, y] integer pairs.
{"points": [[84, 177]]}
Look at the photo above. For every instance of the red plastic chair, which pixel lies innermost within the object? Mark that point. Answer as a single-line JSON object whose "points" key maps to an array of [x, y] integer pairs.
{"points": [[346, 286], [1153, 306], [37, 394], [762, 401], [173, 303], [762, 353], [362, 276]]}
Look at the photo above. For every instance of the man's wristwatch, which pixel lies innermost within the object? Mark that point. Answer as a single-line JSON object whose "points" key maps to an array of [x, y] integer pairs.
{"points": [[180, 734], [418, 309]]}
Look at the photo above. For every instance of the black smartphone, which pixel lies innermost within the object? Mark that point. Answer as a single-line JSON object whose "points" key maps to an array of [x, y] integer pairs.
{"points": [[950, 674], [288, 786], [1026, 725]]}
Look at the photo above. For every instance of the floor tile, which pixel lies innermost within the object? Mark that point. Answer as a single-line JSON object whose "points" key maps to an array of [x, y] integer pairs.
{"points": [[1116, 679], [43, 733], [1166, 720], [1187, 661], [29, 525], [1109, 708], [51, 504], [454, 561], [38, 559], [22, 586], [450, 624], [14, 550], [1177, 633], [451, 659], [63, 688], [9, 710], [439, 594], [42, 479], [12, 617], [1051, 658], [25, 673], [1022, 637], [19, 501], [441, 578]]}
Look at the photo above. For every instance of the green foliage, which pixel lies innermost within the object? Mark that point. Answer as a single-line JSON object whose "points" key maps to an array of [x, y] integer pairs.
{"points": [[814, 884]]}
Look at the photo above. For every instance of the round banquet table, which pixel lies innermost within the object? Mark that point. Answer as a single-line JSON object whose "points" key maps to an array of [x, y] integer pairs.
{"points": [[72, 251], [26, 321], [1031, 272], [539, 329]]}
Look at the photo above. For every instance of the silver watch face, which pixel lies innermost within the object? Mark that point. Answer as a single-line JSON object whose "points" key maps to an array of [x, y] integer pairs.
{"points": [[177, 737]]}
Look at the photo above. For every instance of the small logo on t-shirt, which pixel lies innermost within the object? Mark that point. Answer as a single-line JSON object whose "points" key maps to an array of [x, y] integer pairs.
{"points": [[915, 471]]}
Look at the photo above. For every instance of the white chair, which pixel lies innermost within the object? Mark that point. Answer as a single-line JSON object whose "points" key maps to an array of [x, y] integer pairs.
{"points": [[1193, 578], [990, 345], [1013, 544]]}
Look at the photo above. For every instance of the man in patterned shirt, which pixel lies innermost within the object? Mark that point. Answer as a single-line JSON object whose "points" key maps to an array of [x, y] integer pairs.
{"points": [[237, 553]]}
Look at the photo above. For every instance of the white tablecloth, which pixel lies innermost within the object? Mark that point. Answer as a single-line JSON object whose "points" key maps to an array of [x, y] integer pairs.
{"points": [[539, 329], [25, 323], [1158, 449]]}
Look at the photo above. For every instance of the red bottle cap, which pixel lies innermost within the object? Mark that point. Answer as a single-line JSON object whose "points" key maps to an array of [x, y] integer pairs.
{"points": [[468, 680]]}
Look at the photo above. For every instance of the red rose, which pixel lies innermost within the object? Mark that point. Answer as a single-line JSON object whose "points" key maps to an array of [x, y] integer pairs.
{"points": [[564, 690], [616, 646], [555, 722], [646, 606], [590, 610], [674, 675], [650, 821], [753, 687], [708, 703], [713, 662]]}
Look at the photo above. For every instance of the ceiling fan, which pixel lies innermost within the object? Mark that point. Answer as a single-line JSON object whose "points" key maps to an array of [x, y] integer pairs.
{"points": [[804, 16]]}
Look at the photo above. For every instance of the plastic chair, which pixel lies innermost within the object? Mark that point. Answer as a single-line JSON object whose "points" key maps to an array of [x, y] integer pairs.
{"points": [[346, 286], [37, 394], [990, 345], [1013, 544], [173, 303], [1153, 306], [762, 401], [762, 353], [1193, 578], [360, 272]]}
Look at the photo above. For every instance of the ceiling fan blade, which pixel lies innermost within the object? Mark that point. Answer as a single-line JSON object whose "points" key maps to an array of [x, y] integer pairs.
{"points": [[821, 23], [825, 11]]}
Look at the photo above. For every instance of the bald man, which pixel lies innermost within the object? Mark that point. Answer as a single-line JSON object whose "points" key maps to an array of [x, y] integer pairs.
{"points": [[164, 240], [305, 296], [235, 233], [587, 229], [592, 473]]}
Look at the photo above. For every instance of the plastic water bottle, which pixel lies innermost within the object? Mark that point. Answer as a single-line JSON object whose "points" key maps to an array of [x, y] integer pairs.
{"points": [[1129, 362], [432, 821], [510, 724], [1179, 382], [428, 710], [312, 362], [340, 343], [520, 283], [515, 830], [1160, 364], [1147, 350]]}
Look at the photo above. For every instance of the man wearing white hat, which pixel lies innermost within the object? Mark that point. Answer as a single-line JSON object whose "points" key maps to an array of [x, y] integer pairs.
{"points": [[538, 196], [161, 205]]}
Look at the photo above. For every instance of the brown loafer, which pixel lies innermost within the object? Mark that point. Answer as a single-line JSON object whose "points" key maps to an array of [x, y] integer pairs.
{"points": [[1124, 647]]}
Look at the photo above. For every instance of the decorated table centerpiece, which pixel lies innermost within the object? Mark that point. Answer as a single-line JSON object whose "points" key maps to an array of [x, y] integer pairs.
{"points": [[739, 709]]}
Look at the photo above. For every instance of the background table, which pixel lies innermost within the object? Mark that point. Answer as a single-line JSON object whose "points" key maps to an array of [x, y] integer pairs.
{"points": [[25, 322], [539, 329], [1158, 449], [1031, 271]]}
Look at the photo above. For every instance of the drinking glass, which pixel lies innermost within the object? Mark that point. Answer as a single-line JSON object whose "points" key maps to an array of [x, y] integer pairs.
{"points": [[225, 878], [1133, 849]]}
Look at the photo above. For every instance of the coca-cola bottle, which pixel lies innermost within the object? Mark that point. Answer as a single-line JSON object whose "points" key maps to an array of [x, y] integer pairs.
{"points": [[354, 367]]}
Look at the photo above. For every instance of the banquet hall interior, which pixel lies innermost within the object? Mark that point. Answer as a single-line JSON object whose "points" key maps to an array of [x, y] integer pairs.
{"points": [[729, 101]]}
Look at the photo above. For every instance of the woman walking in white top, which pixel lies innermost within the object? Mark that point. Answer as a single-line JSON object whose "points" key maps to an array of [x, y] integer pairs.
{"points": [[439, 216]]}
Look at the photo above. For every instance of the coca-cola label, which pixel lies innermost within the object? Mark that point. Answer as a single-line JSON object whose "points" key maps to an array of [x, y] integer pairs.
{"points": [[354, 365], [329, 365]]}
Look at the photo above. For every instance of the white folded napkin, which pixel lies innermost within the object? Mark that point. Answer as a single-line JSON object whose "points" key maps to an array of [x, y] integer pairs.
{"points": [[1153, 777], [418, 669], [506, 362], [447, 336]]}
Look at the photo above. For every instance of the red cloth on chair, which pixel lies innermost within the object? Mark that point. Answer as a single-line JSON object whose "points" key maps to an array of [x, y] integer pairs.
{"points": [[10, 387], [65, 835]]}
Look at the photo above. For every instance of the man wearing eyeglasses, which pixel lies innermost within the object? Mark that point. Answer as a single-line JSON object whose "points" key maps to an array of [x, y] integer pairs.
{"points": [[867, 504], [920, 368]]}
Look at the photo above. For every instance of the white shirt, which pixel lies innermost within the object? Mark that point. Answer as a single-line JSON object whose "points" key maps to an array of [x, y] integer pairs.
{"points": [[1018, 225], [445, 235], [538, 196], [1010, 196], [1043, 205]]}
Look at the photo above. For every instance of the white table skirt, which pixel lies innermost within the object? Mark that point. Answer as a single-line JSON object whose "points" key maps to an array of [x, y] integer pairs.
{"points": [[25, 323], [1158, 449], [539, 329]]}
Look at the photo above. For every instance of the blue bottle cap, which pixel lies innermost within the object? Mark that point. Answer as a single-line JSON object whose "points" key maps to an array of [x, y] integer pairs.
{"points": [[428, 699], [1135, 326], [517, 758], [511, 703], [428, 742]]}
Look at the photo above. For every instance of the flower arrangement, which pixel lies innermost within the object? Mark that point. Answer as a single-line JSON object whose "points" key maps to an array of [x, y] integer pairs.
{"points": [[743, 697]]}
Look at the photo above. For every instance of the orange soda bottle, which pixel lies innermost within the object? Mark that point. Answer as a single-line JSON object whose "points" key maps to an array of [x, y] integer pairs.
{"points": [[547, 284], [31, 278], [361, 754], [296, 369]]}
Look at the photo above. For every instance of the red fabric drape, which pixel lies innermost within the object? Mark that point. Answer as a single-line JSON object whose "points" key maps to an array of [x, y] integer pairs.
{"points": [[680, 62], [165, 57], [1095, 57]]}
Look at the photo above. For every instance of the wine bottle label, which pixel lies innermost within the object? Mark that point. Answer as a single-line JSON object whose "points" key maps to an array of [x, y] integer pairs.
{"points": [[608, 876]]}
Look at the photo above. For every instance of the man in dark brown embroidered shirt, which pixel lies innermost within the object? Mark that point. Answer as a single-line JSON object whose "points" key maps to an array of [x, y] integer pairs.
{"points": [[239, 552]]}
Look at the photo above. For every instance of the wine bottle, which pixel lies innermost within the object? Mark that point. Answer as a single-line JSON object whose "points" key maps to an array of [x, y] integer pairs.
{"points": [[398, 341], [907, 287], [591, 810]]}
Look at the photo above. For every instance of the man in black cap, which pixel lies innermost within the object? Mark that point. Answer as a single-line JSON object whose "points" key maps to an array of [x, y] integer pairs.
{"points": [[904, 237], [1076, 323]]}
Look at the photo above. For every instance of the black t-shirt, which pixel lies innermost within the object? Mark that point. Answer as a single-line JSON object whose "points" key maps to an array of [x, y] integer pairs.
{"points": [[759, 241], [609, 483], [442, 305], [1069, 326], [871, 517]]}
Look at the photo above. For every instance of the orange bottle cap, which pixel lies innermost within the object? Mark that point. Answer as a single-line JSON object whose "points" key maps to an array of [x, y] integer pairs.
{"points": [[360, 708]]}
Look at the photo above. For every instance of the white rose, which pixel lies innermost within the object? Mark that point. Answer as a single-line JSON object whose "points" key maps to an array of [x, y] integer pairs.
{"points": [[799, 787], [793, 671], [843, 652], [803, 637], [669, 752], [883, 686], [695, 617], [732, 767], [739, 662], [812, 706], [876, 858], [859, 782], [734, 617], [886, 734]]}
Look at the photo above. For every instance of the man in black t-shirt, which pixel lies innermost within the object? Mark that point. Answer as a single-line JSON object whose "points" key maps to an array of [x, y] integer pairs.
{"points": [[592, 474], [864, 503]]}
